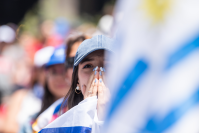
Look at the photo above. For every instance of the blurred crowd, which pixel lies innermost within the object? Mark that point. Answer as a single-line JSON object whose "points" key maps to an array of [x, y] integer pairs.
{"points": [[33, 68]]}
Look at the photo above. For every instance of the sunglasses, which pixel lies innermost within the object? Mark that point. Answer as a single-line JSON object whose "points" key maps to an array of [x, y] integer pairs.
{"points": [[69, 62]]}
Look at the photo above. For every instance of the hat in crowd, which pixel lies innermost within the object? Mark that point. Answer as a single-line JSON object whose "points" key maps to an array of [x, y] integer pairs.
{"points": [[58, 56], [98, 42], [7, 34], [42, 56]]}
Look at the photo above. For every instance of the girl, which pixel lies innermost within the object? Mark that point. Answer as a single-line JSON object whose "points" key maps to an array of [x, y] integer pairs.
{"points": [[86, 113]]}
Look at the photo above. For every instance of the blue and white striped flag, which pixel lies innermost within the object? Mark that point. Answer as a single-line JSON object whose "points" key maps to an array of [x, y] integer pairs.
{"points": [[79, 119], [154, 80]]}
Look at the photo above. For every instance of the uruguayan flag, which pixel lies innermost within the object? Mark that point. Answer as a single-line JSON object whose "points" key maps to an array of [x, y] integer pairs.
{"points": [[154, 80], [79, 119]]}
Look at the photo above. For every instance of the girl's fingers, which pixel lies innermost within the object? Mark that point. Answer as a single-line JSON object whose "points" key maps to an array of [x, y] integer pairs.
{"points": [[107, 93], [93, 84], [103, 91], [94, 90], [96, 73], [90, 90], [90, 82], [101, 82], [102, 73], [100, 89]]}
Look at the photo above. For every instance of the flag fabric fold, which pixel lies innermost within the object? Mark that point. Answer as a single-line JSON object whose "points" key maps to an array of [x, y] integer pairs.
{"points": [[79, 119]]}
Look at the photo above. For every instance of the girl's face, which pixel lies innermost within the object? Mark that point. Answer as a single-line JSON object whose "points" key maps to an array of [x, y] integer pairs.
{"points": [[86, 67], [56, 80]]}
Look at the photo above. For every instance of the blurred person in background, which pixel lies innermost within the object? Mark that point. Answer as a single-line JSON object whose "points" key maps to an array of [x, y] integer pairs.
{"points": [[42, 56], [12, 56], [52, 112], [7, 38], [9, 53], [51, 33], [62, 27], [30, 44], [27, 101], [56, 86], [22, 74], [104, 26], [89, 29]]}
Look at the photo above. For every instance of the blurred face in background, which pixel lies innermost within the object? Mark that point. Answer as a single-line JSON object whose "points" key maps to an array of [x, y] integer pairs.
{"points": [[56, 80], [22, 72], [47, 28]]}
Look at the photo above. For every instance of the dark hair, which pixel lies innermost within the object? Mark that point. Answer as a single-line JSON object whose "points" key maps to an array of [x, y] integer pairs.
{"points": [[72, 97], [73, 39], [47, 99]]}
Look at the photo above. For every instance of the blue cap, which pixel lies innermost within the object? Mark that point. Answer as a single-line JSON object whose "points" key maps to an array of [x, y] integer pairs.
{"points": [[58, 56], [98, 42]]}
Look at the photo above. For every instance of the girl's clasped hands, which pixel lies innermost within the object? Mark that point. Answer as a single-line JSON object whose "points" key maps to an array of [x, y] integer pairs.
{"points": [[96, 87]]}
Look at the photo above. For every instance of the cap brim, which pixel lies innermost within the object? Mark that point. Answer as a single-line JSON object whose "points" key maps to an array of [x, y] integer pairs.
{"points": [[54, 62], [83, 56]]}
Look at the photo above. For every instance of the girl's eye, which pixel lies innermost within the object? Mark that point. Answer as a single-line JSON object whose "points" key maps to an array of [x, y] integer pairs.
{"points": [[87, 66]]}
